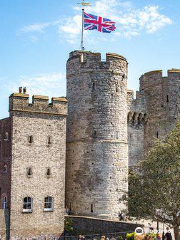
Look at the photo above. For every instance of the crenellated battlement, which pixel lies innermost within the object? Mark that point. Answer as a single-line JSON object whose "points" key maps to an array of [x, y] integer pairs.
{"points": [[174, 73], [154, 73], [84, 56], [82, 61], [19, 102]]}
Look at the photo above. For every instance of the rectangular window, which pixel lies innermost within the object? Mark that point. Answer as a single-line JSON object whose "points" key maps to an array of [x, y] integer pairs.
{"points": [[27, 204], [91, 207], [94, 87], [6, 136], [167, 98], [117, 135], [49, 140], [157, 134], [48, 204], [4, 202], [30, 139]]}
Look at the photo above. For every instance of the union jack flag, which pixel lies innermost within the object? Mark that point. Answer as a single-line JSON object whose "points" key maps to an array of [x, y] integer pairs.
{"points": [[92, 22]]}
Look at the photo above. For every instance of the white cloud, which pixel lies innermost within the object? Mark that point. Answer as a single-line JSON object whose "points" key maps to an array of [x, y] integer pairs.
{"points": [[37, 27], [53, 84], [130, 21]]}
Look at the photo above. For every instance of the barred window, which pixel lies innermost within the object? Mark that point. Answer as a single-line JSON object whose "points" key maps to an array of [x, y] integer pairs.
{"points": [[48, 203], [27, 204]]}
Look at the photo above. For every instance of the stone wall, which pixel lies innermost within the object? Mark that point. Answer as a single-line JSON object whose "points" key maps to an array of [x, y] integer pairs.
{"points": [[46, 124], [88, 225], [137, 119], [97, 151]]}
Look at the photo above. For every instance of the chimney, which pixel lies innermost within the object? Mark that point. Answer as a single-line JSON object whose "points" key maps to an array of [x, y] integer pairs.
{"points": [[20, 89], [24, 90]]}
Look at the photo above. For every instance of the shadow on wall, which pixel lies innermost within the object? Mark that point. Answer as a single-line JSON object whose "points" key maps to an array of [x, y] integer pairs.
{"points": [[5, 224]]}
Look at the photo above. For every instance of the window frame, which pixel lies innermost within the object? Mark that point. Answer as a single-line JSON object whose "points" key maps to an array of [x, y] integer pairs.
{"points": [[28, 210], [49, 209]]}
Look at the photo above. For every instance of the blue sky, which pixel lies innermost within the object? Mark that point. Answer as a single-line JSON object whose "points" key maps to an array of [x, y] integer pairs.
{"points": [[37, 36]]}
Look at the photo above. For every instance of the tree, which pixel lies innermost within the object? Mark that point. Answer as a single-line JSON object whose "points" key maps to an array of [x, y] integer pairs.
{"points": [[154, 189]]}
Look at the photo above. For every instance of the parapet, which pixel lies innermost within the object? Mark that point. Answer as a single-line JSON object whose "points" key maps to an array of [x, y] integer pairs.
{"points": [[82, 61], [174, 70], [84, 56], [174, 73], [19, 102], [150, 79], [152, 73]]}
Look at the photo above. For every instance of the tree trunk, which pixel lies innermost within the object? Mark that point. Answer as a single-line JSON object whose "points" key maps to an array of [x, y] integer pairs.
{"points": [[176, 233]]}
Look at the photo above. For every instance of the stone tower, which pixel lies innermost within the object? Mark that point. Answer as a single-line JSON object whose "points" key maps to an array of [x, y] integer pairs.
{"points": [[154, 112], [33, 141], [97, 150], [162, 94]]}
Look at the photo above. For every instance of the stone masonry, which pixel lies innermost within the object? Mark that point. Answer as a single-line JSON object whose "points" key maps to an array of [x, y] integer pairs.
{"points": [[97, 150], [37, 166], [153, 113], [107, 131]]}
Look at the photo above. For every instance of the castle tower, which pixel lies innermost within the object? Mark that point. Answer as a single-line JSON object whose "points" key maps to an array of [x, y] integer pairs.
{"points": [[97, 151], [163, 106]]}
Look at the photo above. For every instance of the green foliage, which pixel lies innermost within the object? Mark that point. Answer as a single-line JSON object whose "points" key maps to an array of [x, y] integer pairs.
{"points": [[152, 235], [130, 236], [119, 238], [68, 226], [154, 190]]}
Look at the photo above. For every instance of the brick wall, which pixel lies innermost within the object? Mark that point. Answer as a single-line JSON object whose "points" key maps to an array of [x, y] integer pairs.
{"points": [[5, 161]]}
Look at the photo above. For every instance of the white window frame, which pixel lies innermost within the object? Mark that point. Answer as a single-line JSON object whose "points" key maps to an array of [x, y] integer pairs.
{"points": [[28, 203], [48, 200]]}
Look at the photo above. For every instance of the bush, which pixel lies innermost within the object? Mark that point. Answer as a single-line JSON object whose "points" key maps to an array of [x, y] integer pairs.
{"points": [[130, 236], [151, 236], [119, 238], [68, 226]]}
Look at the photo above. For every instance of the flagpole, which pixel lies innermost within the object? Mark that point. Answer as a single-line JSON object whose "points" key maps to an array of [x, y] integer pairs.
{"points": [[82, 39], [83, 4]]}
